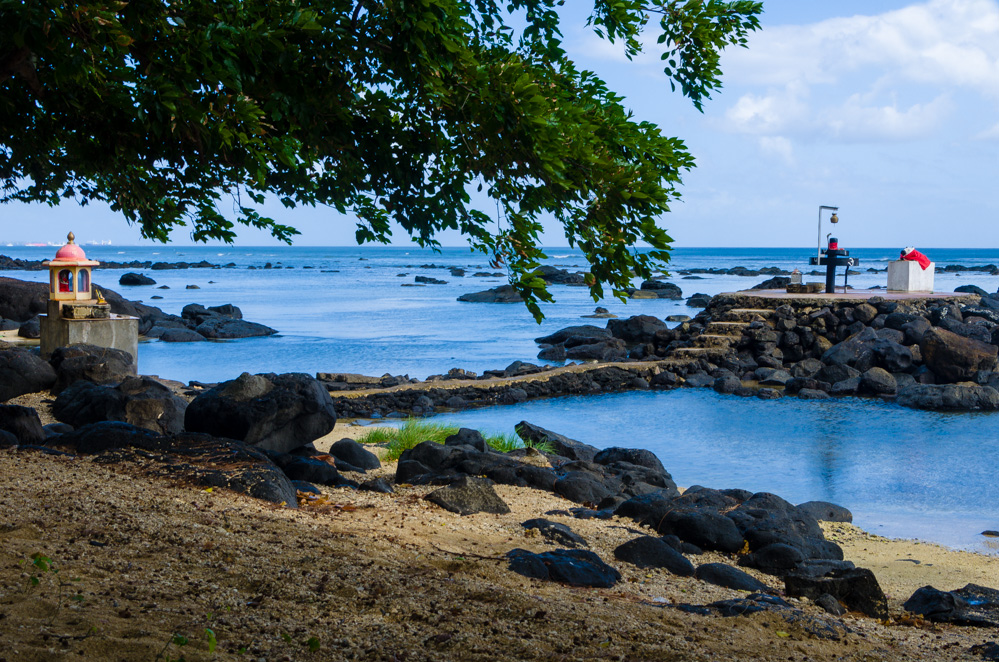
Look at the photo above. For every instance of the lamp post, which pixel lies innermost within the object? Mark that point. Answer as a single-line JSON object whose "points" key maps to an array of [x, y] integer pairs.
{"points": [[832, 219]]}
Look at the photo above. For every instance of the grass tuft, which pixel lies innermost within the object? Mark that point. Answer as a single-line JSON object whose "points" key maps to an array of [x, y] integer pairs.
{"points": [[415, 431]]}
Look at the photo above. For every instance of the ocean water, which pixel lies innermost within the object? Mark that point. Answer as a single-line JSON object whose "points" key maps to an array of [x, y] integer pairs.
{"points": [[903, 473], [350, 313]]}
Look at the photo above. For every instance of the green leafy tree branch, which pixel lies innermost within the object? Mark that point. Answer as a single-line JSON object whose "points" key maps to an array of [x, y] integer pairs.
{"points": [[390, 110]]}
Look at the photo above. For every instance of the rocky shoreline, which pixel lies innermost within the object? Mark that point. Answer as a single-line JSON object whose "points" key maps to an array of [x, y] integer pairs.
{"points": [[15, 264], [936, 352], [22, 301], [611, 516]]}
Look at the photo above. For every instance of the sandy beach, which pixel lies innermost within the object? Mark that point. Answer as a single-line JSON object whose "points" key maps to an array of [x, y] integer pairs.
{"points": [[145, 564]]}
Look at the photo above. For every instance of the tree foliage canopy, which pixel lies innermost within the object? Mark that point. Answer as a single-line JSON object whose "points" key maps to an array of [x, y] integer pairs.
{"points": [[391, 110]]}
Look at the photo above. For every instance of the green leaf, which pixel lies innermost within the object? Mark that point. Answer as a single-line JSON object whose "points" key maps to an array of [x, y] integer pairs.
{"points": [[175, 115]]}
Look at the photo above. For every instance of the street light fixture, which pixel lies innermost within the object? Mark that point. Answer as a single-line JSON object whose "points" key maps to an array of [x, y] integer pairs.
{"points": [[832, 219]]}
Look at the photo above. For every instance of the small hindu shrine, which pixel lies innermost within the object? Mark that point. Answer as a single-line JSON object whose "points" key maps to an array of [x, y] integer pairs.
{"points": [[75, 314]]}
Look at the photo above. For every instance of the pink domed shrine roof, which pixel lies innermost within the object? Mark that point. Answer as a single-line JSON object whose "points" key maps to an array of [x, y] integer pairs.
{"points": [[72, 254]]}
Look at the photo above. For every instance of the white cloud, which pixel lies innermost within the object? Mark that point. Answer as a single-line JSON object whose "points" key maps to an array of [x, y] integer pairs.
{"points": [[945, 42], [856, 122], [989, 134], [886, 77], [859, 118], [778, 146], [771, 114]]}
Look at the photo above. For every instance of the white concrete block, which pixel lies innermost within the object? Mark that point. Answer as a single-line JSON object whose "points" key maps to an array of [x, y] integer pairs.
{"points": [[908, 276]]}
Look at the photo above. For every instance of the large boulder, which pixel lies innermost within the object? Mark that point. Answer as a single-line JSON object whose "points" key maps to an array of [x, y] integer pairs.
{"points": [[856, 588], [776, 558], [833, 374], [971, 289], [662, 289], [611, 349], [824, 511], [227, 328], [354, 455], [99, 365], [132, 278], [468, 496], [649, 552], [583, 487], [152, 405], [555, 532], [501, 294], [139, 401], [31, 329], [934, 604], [704, 527], [82, 403], [557, 276], [23, 423], [648, 509], [637, 456], [878, 381], [891, 355], [195, 313], [216, 322], [637, 329], [575, 567], [21, 300], [23, 372], [699, 300], [560, 444], [954, 358], [953, 397], [309, 469], [272, 412], [855, 351], [227, 310], [721, 574], [972, 605], [775, 283], [179, 335], [581, 331]]}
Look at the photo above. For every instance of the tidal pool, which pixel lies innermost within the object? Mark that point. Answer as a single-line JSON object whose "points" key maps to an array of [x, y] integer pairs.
{"points": [[903, 473]]}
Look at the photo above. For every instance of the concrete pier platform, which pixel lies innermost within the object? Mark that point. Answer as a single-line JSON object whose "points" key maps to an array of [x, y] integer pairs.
{"points": [[850, 296]]}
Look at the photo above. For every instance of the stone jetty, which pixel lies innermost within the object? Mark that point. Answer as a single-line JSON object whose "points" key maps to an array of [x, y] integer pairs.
{"points": [[932, 351]]}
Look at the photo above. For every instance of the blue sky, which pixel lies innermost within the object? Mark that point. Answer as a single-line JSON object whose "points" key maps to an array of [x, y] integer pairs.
{"points": [[888, 110]]}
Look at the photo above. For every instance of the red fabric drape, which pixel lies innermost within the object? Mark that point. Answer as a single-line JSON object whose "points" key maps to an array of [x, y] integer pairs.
{"points": [[911, 253]]}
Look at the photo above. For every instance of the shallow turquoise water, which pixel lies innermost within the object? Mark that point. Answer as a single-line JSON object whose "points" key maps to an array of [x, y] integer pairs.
{"points": [[904, 473]]}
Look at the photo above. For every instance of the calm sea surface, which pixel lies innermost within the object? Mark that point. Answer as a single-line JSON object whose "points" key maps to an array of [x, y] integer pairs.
{"points": [[903, 473]]}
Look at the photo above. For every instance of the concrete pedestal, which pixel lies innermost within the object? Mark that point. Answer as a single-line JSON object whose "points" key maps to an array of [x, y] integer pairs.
{"points": [[116, 331], [908, 276]]}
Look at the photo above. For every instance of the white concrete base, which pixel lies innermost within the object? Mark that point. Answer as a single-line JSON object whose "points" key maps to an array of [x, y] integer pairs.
{"points": [[908, 276], [118, 332]]}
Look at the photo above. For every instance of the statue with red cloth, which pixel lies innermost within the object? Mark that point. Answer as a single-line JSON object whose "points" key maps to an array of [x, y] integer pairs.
{"points": [[910, 253]]}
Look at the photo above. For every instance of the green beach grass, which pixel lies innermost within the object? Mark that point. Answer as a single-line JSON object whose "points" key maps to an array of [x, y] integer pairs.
{"points": [[415, 431]]}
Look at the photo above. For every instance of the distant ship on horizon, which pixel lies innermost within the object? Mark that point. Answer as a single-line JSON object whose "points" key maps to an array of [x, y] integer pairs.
{"points": [[44, 244]]}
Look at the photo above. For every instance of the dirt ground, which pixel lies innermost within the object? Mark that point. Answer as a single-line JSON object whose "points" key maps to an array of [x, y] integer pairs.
{"points": [[138, 569]]}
